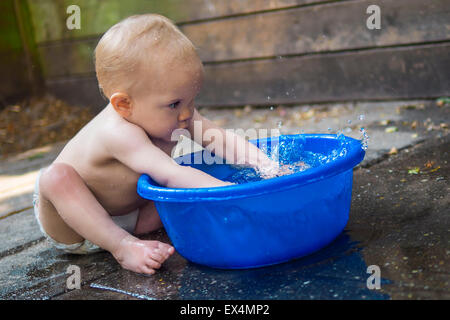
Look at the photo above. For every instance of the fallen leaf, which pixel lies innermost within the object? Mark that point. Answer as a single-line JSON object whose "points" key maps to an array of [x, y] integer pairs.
{"points": [[15, 108], [393, 151], [391, 129], [238, 113], [415, 170], [260, 119], [220, 122], [308, 114], [281, 111], [429, 164], [442, 101], [435, 169]]}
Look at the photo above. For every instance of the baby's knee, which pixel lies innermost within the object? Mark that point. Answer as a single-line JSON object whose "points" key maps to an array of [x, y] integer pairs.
{"points": [[56, 177]]}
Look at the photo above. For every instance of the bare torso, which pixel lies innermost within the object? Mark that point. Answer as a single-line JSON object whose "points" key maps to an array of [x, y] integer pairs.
{"points": [[111, 182]]}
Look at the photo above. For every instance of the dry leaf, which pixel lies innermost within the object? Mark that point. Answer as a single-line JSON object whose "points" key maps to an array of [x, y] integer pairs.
{"points": [[393, 151]]}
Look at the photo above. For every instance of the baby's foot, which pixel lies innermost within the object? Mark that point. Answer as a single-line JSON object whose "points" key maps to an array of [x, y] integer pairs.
{"points": [[142, 256]]}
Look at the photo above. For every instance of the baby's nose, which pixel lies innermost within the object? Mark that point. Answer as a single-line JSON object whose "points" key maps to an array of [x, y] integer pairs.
{"points": [[186, 113]]}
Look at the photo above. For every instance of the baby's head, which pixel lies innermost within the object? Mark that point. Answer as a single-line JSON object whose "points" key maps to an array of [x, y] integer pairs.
{"points": [[150, 72]]}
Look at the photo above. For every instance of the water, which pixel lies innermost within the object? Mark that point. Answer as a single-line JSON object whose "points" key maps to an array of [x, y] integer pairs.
{"points": [[134, 295], [291, 159], [279, 124], [365, 139]]}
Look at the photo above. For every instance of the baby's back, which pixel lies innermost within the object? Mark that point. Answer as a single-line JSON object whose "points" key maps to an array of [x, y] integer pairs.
{"points": [[111, 182]]}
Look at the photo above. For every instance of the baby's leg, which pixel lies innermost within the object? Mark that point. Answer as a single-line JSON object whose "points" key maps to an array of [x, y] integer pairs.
{"points": [[69, 213], [51, 221], [148, 219]]}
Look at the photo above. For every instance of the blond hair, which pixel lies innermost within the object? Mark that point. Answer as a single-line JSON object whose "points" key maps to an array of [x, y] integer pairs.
{"points": [[125, 47]]}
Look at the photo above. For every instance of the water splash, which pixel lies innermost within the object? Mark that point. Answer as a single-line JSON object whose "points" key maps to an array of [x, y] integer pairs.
{"points": [[291, 158], [279, 124], [365, 139], [134, 295]]}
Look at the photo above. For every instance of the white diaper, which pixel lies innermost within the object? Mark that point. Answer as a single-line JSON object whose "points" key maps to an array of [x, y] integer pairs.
{"points": [[127, 222]]}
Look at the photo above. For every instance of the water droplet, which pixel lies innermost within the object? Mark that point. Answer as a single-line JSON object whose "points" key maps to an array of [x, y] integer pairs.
{"points": [[361, 117], [365, 139]]}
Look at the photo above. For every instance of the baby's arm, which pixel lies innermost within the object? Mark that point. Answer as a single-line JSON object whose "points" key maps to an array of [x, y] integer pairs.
{"points": [[133, 148], [235, 149]]}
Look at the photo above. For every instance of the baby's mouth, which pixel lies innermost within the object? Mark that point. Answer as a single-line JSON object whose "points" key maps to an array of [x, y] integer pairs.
{"points": [[183, 125]]}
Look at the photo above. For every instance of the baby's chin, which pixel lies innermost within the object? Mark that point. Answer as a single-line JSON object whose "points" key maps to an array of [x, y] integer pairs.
{"points": [[163, 137]]}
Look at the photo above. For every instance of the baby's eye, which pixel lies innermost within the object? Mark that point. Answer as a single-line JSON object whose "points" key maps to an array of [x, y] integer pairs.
{"points": [[174, 105]]}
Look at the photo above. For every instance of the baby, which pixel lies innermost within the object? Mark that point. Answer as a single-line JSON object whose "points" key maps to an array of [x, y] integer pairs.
{"points": [[86, 200]]}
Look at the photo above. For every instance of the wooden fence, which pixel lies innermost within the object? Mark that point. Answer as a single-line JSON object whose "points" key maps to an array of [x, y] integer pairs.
{"points": [[264, 52]]}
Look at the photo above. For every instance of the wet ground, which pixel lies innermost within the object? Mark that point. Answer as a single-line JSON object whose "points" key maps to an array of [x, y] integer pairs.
{"points": [[399, 221]]}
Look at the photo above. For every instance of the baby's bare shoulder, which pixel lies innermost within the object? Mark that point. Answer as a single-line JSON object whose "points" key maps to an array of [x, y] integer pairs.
{"points": [[97, 138], [124, 139]]}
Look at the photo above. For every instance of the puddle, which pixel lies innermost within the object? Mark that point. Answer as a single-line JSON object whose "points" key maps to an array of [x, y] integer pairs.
{"points": [[335, 272]]}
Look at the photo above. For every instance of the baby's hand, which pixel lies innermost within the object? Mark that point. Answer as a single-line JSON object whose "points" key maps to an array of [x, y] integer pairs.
{"points": [[278, 170], [142, 256], [268, 169]]}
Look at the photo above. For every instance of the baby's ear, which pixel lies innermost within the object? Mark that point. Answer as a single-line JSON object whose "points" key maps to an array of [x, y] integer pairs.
{"points": [[121, 103]]}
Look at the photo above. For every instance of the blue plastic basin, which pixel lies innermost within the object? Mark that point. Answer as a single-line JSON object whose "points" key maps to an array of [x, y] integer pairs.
{"points": [[264, 222]]}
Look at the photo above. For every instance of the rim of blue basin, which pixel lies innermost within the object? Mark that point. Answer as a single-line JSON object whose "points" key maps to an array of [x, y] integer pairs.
{"points": [[150, 190]]}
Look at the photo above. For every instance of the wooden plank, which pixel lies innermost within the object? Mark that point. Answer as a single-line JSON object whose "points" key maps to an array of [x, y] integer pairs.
{"points": [[14, 85], [10, 39], [378, 74], [18, 231], [40, 271], [12, 58], [407, 72], [97, 16], [82, 91], [331, 27], [68, 58], [32, 65]]}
